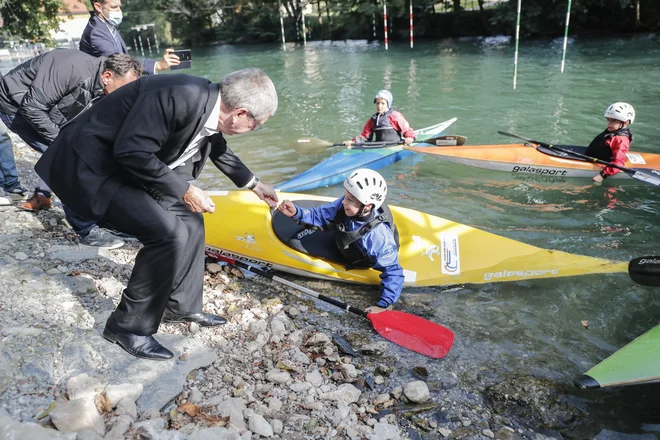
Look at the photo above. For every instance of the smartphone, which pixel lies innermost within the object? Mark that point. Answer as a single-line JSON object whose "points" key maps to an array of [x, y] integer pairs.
{"points": [[185, 59]]}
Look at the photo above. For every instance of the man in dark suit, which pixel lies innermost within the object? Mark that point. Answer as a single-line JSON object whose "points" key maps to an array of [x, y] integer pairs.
{"points": [[101, 38], [128, 161]]}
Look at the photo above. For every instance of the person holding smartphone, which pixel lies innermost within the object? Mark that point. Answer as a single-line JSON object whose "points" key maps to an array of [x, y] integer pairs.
{"points": [[101, 38]]}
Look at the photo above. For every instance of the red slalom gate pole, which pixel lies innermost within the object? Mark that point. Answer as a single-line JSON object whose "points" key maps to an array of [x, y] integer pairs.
{"points": [[385, 22], [411, 25]]}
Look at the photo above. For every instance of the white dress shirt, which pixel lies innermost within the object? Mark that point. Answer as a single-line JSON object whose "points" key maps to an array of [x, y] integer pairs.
{"points": [[209, 128]]}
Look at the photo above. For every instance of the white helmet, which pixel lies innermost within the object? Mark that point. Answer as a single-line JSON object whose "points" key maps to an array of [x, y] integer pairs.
{"points": [[367, 186], [621, 111], [386, 95]]}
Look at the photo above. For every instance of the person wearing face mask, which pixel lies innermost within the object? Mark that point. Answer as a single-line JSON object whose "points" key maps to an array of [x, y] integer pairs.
{"points": [[101, 37], [40, 96]]}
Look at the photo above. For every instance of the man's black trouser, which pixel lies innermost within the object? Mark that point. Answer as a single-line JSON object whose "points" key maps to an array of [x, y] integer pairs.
{"points": [[169, 269]]}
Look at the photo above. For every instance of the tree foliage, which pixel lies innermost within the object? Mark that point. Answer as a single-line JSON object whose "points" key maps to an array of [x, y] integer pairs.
{"points": [[195, 22], [33, 20]]}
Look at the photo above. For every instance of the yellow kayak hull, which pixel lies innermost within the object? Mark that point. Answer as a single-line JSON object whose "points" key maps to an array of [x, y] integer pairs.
{"points": [[433, 251]]}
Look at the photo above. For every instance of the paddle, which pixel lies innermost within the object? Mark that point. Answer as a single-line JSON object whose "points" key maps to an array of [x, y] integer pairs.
{"points": [[408, 331], [645, 270], [646, 175], [312, 145]]}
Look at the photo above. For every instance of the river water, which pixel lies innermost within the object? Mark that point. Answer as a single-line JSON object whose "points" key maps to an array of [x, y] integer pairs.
{"points": [[503, 329]]}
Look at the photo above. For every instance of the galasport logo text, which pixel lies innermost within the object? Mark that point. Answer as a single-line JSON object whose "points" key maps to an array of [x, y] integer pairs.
{"points": [[520, 273], [216, 253], [541, 171], [649, 261]]}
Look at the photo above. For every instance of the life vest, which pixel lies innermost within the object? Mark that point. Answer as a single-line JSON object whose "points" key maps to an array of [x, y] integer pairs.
{"points": [[383, 130], [346, 240], [599, 147]]}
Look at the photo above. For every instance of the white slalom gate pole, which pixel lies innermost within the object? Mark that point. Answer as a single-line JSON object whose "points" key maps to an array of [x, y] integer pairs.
{"points": [[279, 9], [385, 22], [563, 55], [515, 58], [411, 25]]}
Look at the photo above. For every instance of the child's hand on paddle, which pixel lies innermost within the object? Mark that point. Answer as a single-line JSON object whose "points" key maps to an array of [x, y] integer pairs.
{"points": [[288, 208]]}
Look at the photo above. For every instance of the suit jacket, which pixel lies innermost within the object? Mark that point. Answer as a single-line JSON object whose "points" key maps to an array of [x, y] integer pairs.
{"points": [[129, 136], [98, 41]]}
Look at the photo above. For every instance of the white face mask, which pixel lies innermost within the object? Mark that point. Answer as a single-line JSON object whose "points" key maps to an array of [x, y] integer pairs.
{"points": [[114, 17]]}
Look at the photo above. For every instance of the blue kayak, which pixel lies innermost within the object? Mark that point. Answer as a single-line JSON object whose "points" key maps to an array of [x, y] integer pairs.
{"points": [[337, 167]]}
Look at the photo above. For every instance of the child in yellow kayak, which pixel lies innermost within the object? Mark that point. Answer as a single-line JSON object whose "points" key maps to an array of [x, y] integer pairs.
{"points": [[613, 143], [364, 230], [386, 125]]}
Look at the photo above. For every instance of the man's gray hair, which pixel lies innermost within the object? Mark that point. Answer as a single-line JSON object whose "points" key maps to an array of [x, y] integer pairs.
{"points": [[250, 89]]}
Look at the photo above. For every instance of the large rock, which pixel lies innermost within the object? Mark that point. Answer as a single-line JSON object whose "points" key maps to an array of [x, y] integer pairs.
{"points": [[278, 376], [83, 387], [10, 429], [76, 415], [259, 425], [117, 393], [383, 431], [215, 433], [417, 391], [347, 393], [162, 381]]}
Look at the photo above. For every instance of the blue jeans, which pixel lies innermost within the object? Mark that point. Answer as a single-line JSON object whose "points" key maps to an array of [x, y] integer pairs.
{"points": [[30, 136], [8, 171]]}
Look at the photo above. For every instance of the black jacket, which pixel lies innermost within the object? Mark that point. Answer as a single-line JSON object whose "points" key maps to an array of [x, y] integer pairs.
{"points": [[51, 89], [129, 136]]}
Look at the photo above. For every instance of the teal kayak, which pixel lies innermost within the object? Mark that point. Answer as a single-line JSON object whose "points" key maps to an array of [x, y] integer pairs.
{"points": [[636, 363], [337, 167]]}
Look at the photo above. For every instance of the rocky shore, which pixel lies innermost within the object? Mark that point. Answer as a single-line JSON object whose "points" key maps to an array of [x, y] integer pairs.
{"points": [[280, 368]]}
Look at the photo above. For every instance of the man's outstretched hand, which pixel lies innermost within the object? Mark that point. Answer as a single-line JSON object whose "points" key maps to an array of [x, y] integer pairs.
{"points": [[266, 193]]}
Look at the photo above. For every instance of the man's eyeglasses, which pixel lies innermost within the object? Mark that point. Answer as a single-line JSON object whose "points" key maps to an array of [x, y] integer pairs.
{"points": [[255, 126]]}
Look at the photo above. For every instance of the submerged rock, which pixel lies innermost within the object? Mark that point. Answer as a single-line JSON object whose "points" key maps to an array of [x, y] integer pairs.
{"points": [[534, 401]]}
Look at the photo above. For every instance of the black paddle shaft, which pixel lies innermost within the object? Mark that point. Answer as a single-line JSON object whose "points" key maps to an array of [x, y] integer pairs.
{"points": [[263, 273]]}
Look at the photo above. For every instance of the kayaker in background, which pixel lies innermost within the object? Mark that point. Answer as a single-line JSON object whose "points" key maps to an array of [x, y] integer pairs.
{"points": [[364, 230], [387, 125], [613, 143]]}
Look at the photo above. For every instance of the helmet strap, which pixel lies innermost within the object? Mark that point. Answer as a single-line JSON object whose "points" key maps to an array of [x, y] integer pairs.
{"points": [[363, 212]]}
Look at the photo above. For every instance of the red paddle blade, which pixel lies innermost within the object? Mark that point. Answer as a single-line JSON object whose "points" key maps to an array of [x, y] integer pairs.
{"points": [[414, 333]]}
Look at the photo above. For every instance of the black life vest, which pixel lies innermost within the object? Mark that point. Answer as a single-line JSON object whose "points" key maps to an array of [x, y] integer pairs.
{"points": [[346, 240], [383, 130], [599, 149]]}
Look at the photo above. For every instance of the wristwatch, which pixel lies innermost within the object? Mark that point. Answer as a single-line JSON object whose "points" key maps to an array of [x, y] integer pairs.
{"points": [[602, 174], [253, 183]]}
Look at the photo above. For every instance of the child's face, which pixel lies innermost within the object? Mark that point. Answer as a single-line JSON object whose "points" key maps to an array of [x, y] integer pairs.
{"points": [[614, 125], [381, 105], [351, 204]]}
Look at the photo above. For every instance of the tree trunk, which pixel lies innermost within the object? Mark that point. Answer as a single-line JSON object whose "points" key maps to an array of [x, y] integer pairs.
{"points": [[638, 20], [457, 5], [327, 11], [481, 6], [318, 7]]}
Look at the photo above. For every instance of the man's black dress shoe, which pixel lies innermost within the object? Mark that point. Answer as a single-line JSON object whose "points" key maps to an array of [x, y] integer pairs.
{"points": [[203, 319], [145, 347]]}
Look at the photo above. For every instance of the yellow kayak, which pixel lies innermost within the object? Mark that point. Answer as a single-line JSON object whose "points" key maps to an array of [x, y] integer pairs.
{"points": [[433, 251]]}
